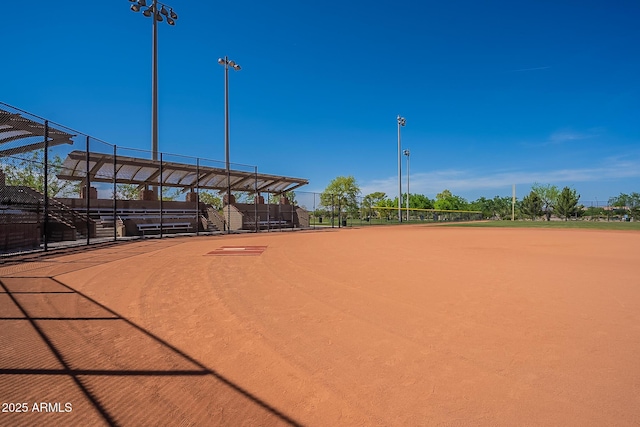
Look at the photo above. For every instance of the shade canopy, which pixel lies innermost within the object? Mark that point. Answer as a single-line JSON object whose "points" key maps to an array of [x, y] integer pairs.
{"points": [[145, 172], [27, 134]]}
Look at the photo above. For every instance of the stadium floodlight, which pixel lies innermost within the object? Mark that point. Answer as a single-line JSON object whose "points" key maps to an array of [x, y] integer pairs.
{"points": [[226, 63], [152, 10], [401, 122]]}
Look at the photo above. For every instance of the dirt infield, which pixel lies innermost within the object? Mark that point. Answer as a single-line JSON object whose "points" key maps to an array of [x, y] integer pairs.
{"points": [[389, 326]]}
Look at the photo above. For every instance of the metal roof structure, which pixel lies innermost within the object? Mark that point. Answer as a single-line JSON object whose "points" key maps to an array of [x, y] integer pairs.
{"points": [[145, 172], [14, 127]]}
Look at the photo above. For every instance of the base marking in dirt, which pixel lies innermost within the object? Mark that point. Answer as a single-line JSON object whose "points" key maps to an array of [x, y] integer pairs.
{"points": [[238, 250]]}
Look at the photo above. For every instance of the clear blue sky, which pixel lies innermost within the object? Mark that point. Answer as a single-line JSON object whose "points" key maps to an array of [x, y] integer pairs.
{"points": [[495, 93]]}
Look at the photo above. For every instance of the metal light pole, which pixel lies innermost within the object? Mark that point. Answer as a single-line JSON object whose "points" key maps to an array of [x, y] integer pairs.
{"points": [[401, 122], [407, 153], [226, 63], [171, 18]]}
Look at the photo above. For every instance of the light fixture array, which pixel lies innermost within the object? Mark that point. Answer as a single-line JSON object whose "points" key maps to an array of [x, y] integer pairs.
{"points": [[152, 9]]}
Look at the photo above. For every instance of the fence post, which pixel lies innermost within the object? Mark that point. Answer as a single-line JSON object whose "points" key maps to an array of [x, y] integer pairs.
{"points": [[332, 210], [255, 199], [160, 195], [197, 196], [228, 197], [46, 184], [115, 189], [86, 193]]}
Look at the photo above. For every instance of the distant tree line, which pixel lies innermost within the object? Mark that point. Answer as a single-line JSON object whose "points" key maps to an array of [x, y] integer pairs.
{"points": [[343, 195]]}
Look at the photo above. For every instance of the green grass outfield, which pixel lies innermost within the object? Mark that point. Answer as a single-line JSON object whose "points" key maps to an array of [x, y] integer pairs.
{"points": [[586, 225]]}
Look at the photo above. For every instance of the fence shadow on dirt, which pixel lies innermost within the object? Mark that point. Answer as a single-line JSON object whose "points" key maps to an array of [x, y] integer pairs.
{"points": [[66, 354]]}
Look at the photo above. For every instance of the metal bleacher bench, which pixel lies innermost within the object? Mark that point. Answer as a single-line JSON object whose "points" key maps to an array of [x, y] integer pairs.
{"points": [[166, 226], [263, 224]]}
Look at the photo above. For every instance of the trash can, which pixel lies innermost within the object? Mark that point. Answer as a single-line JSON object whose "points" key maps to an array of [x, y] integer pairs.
{"points": [[320, 219], [344, 222], [421, 217]]}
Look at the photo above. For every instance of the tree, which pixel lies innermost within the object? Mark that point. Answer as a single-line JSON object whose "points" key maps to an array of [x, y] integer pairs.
{"points": [[626, 204], [420, 201], [498, 207], [518, 209], [532, 205], [209, 198], [485, 206], [127, 192], [132, 192], [502, 207], [170, 194], [567, 203], [634, 205], [549, 195], [275, 198], [447, 201], [291, 196], [29, 172], [594, 212], [371, 200], [416, 201], [619, 203], [342, 191]]}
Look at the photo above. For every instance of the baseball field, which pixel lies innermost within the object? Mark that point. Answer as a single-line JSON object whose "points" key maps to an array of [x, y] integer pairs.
{"points": [[384, 326]]}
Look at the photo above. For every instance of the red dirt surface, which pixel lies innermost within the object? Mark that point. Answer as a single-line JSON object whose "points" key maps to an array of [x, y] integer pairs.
{"points": [[379, 326]]}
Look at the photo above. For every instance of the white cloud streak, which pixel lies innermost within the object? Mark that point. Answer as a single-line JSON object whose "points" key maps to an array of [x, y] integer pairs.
{"points": [[460, 182], [528, 69], [565, 136]]}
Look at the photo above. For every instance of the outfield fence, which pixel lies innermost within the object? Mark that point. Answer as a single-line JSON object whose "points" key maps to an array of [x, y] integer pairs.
{"points": [[332, 210]]}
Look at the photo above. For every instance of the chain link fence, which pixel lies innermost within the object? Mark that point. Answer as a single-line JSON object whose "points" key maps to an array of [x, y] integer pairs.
{"points": [[332, 210], [60, 187]]}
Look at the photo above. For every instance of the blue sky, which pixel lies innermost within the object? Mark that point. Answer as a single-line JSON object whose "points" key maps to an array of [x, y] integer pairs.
{"points": [[495, 93]]}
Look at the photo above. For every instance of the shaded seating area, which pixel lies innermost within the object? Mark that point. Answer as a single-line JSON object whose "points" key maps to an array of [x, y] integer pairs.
{"points": [[19, 134], [33, 214], [107, 168], [142, 217], [151, 215], [260, 216], [22, 209]]}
